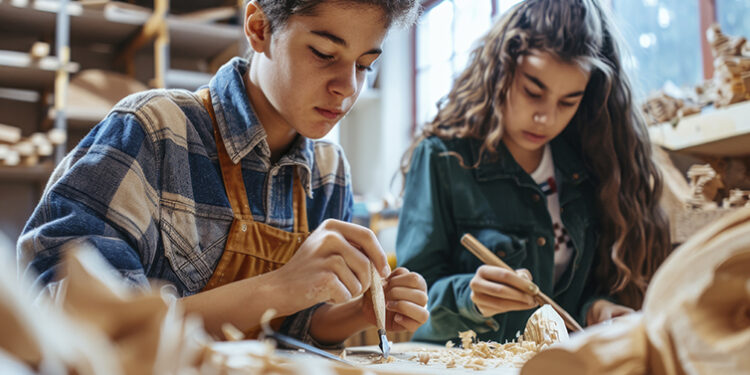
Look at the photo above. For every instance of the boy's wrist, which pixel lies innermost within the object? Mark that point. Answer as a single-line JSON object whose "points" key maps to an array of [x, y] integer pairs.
{"points": [[335, 323]]}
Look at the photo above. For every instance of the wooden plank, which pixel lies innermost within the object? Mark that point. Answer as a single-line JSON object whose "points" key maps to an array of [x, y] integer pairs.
{"points": [[722, 132], [19, 70], [200, 40], [36, 173], [154, 26]]}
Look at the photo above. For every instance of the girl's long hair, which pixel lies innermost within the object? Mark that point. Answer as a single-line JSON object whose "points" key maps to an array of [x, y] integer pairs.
{"points": [[607, 129]]}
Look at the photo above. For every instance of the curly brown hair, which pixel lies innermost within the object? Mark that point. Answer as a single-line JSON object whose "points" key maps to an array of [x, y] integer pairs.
{"points": [[608, 130]]}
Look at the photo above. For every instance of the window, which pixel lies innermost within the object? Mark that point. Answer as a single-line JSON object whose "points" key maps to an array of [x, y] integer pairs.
{"points": [[663, 37], [731, 14], [665, 40], [445, 36]]}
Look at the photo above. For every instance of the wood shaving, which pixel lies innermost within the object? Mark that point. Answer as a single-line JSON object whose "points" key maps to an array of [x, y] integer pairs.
{"points": [[545, 325], [423, 357]]}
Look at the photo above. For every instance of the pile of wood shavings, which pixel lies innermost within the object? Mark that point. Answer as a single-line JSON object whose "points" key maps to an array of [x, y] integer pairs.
{"points": [[481, 355]]}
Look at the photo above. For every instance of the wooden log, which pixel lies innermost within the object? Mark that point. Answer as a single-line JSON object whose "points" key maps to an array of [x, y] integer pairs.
{"points": [[9, 134], [39, 50]]}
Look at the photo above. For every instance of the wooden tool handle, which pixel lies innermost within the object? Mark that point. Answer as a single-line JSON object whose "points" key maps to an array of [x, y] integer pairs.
{"points": [[488, 257], [378, 297]]}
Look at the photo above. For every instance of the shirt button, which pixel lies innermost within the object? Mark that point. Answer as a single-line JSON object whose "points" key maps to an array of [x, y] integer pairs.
{"points": [[575, 176], [541, 241], [536, 197], [243, 228]]}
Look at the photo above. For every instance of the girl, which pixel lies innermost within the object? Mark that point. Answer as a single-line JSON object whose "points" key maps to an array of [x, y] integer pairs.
{"points": [[215, 191], [539, 152]]}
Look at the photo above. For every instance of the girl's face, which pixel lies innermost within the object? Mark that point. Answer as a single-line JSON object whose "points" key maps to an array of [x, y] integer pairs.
{"points": [[541, 101], [312, 69]]}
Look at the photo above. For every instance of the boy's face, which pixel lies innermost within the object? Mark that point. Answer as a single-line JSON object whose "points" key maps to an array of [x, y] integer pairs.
{"points": [[312, 69], [542, 99]]}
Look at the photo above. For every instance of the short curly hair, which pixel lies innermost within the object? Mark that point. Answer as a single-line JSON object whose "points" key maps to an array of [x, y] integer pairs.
{"points": [[400, 12]]}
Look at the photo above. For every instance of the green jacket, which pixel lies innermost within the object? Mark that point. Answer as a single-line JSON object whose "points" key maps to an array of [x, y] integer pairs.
{"points": [[502, 206]]}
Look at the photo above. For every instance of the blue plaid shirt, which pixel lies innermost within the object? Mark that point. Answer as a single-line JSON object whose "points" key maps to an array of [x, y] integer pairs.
{"points": [[145, 188]]}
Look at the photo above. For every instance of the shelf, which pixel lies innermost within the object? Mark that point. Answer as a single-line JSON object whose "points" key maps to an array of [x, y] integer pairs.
{"points": [[720, 132], [36, 173], [201, 40], [112, 24], [186, 79], [81, 118], [18, 70], [116, 23]]}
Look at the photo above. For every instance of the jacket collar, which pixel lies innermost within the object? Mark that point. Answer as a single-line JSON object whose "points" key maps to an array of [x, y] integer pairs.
{"points": [[240, 128], [569, 166]]}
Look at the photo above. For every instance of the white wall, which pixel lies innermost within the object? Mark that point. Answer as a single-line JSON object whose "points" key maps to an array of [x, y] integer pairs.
{"points": [[375, 134]]}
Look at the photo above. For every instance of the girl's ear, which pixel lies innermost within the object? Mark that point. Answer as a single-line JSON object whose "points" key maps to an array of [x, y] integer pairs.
{"points": [[257, 30]]}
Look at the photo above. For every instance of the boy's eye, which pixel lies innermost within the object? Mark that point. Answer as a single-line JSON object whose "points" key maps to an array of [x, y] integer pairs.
{"points": [[321, 55], [366, 68], [531, 94]]}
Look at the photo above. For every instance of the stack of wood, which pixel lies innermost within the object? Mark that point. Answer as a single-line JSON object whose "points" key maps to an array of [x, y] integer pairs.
{"points": [[16, 150], [736, 198], [661, 107], [731, 82]]}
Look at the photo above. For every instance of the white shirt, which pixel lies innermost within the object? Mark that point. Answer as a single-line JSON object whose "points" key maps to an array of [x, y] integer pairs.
{"points": [[544, 176]]}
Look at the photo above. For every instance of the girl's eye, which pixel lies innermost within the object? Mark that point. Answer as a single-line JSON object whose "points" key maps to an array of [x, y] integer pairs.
{"points": [[320, 55], [531, 94], [566, 104]]}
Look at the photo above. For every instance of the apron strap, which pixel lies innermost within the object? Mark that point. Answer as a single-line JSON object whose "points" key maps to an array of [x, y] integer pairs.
{"points": [[231, 173], [299, 202]]}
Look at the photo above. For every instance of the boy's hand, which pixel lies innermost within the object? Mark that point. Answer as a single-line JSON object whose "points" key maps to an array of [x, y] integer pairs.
{"points": [[495, 290], [603, 310], [332, 265], [405, 299]]}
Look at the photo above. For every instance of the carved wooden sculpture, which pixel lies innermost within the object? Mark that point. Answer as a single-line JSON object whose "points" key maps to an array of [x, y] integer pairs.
{"points": [[695, 319]]}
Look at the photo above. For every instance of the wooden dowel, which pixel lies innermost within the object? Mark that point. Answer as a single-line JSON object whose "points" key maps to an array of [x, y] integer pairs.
{"points": [[488, 257]]}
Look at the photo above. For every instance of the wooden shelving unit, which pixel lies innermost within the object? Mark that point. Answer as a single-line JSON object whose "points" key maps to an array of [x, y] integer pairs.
{"points": [[19, 71], [720, 132], [155, 47]]}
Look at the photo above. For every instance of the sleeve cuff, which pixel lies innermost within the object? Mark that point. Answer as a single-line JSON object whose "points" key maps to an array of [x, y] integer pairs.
{"points": [[298, 326], [587, 306], [469, 310]]}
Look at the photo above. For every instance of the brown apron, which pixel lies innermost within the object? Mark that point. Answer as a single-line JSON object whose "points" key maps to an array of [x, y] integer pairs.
{"points": [[252, 248]]}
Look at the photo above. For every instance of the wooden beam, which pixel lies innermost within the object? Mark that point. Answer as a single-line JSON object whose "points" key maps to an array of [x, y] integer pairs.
{"points": [[154, 26], [707, 12]]}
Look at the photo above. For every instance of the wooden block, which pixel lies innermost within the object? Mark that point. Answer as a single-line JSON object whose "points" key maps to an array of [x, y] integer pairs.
{"points": [[57, 136], [29, 161], [9, 134], [43, 145], [39, 50], [12, 158], [24, 148]]}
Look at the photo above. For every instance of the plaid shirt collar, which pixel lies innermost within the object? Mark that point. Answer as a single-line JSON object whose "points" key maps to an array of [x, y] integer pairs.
{"points": [[240, 128]]}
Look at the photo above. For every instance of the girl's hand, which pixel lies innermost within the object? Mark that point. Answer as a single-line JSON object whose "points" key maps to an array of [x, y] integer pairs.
{"points": [[603, 310], [496, 290], [332, 265], [405, 299]]}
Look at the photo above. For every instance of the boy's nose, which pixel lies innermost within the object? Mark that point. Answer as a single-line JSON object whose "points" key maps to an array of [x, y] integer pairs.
{"points": [[345, 83]]}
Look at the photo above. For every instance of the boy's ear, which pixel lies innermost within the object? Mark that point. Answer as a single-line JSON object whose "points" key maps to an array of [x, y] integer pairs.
{"points": [[257, 27]]}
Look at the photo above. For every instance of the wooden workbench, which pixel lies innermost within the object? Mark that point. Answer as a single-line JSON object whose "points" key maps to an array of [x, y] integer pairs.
{"points": [[254, 356]]}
